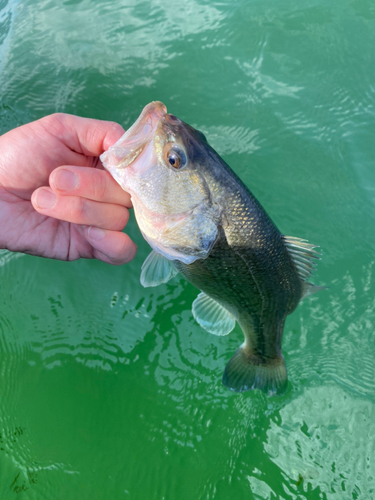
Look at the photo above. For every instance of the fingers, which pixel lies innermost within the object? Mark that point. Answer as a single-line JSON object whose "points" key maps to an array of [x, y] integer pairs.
{"points": [[84, 196], [79, 210], [111, 246], [90, 197], [89, 183]]}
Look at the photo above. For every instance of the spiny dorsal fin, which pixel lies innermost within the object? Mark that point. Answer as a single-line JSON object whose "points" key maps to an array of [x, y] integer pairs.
{"points": [[303, 255]]}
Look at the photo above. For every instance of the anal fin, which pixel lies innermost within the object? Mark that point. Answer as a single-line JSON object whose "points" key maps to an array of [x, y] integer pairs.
{"points": [[246, 371]]}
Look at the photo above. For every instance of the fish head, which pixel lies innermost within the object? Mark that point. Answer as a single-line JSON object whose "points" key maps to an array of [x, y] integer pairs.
{"points": [[159, 162]]}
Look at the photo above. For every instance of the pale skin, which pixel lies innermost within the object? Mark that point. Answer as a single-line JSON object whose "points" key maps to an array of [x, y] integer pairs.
{"points": [[56, 200]]}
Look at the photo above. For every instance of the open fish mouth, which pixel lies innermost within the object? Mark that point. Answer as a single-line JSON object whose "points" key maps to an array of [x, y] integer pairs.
{"points": [[128, 148]]}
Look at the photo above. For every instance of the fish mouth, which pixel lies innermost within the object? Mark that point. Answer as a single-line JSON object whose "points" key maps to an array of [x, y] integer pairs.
{"points": [[146, 123], [128, 148]]}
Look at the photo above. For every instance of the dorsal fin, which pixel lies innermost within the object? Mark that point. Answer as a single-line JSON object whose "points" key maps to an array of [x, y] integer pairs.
{"points": [[303, 255]]}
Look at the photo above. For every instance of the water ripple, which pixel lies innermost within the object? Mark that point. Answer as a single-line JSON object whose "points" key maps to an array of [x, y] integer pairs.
{"points": [[237, 139], [343, 351], [325, 440]]}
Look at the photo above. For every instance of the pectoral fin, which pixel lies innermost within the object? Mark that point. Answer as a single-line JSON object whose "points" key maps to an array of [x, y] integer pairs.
{"points": [[212, 316], [156, 269], [246, 371]]}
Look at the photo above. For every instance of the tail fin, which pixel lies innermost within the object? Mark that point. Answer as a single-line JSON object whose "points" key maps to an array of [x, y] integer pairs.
{"points": [[246, 371]]}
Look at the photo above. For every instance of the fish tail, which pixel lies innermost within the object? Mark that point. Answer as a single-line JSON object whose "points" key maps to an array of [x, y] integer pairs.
{"points": [[246, 371]]}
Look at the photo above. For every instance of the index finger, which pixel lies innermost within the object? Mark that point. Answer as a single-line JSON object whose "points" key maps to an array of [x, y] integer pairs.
{"points": [[85, 136], [90, 183]]}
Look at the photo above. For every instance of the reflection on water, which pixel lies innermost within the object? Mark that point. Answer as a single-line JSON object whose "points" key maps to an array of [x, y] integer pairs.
{"points": [[324, 439]]}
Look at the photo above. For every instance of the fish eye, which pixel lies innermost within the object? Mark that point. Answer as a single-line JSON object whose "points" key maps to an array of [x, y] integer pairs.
{"points": [[176, 157]]}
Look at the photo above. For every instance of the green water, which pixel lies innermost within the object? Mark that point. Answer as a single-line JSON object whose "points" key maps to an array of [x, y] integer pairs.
{"points": [[109, 390]]}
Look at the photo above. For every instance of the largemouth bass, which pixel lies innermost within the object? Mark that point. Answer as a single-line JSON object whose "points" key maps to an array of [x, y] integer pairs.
{"points": [[203, 222]]}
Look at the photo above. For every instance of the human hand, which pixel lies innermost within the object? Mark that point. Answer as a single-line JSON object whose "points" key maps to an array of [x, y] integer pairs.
{"points": [[56, 200]]}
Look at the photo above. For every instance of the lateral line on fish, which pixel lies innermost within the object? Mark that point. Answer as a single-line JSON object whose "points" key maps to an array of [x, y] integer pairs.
{"points": [[260, 293]]}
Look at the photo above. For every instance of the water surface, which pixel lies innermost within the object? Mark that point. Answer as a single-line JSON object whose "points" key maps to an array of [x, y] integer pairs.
{"points": [[109, 390]]}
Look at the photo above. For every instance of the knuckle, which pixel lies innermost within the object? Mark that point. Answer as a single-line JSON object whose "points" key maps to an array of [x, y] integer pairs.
{"points": [[99, 187], [53, 119], [80, 209], [54, 123], [122, 219]]}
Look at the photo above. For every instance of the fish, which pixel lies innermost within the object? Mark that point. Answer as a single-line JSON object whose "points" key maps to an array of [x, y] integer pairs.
{"points": [[203, 222]]}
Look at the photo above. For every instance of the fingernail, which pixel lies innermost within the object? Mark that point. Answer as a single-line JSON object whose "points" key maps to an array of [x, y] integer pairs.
{"points": [[95, 233], [45, 199], [65, 180]]}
